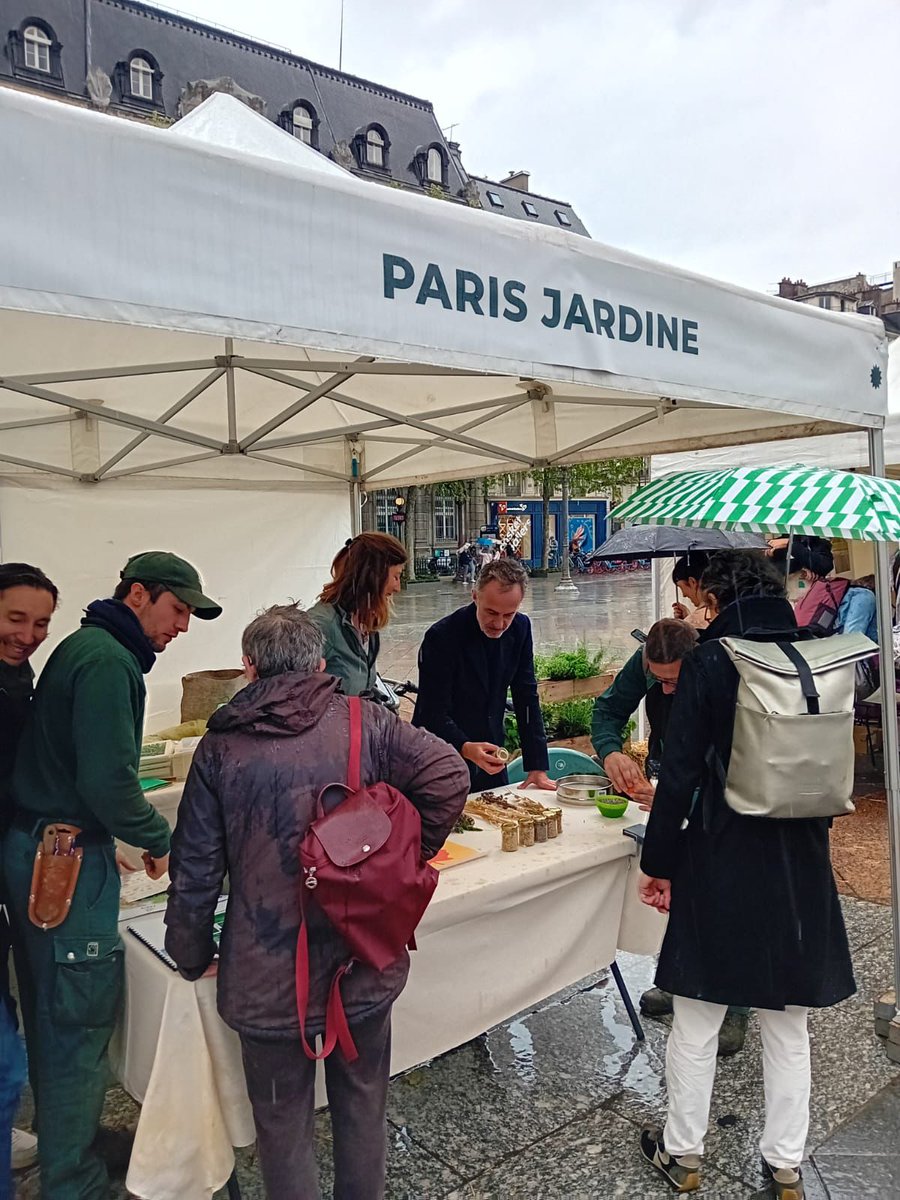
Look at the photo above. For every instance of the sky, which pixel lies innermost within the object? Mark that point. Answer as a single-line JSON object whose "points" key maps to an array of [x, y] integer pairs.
{"points": [[744, 139]]}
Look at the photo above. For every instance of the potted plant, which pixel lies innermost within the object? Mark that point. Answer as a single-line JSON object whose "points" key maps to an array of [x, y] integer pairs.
{"points": [[572, 674]]}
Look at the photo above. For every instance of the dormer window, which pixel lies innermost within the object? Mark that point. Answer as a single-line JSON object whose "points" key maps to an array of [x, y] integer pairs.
{"points": [[435, 171], [495, 200], [141, 79], [563, 218], [37, 49], [374, 148], [138, 82], [529, 208], [301, 121], [430, 164], [35, 53], [302, 124]]}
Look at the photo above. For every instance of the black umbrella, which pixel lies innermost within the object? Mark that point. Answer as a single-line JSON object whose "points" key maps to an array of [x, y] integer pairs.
{"points": [[670, 541]]}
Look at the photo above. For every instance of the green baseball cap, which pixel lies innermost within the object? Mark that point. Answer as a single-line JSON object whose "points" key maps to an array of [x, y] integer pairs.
{"points": [[179, 577]]}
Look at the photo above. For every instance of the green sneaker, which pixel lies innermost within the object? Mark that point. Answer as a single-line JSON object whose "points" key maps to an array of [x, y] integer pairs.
{"points": [[682, 1173]]}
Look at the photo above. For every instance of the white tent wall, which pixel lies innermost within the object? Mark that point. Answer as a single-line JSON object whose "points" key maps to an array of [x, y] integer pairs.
{"points": [[252, 547]]}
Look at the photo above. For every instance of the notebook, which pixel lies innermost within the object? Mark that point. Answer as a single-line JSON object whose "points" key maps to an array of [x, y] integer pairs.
{"points": [[151, 931]]}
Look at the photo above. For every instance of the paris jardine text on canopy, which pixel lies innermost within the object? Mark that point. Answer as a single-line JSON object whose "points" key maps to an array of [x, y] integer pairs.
{"points": [[507, 300]]}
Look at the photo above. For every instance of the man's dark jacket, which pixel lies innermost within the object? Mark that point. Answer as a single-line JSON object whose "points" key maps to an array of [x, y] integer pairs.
{"points": [[463, 681], [248, 801], [755, 918]]}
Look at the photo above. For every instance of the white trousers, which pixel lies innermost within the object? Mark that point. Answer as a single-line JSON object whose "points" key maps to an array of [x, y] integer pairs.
{"points": [[691, 1069]]}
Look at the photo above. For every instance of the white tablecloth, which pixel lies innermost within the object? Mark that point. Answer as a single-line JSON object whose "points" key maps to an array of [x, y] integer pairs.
{"points": [[502, 933]]}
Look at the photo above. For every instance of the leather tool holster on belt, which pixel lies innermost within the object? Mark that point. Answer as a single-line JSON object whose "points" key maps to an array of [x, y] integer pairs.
{"points": [[56, 867]]}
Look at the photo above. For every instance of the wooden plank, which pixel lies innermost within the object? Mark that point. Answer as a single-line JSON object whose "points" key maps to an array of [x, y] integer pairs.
{"points": [[552, 691]]}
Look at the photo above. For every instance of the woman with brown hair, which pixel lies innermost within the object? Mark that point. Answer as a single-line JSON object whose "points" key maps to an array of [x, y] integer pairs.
{"points": [[355, 606]]}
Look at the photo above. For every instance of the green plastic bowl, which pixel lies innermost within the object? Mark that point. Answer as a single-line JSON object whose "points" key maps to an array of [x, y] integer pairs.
{"points": [[611, 806]]}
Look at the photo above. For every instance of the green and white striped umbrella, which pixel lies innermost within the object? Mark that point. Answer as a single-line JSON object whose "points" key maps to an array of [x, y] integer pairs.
{"points": [[782, 499]]}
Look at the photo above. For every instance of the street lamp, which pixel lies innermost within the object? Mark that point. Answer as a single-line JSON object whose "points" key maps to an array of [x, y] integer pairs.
{"points": [[565, 584]]}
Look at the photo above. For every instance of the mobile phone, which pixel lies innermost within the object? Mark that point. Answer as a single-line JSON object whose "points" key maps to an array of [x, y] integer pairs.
{"points": [[639, 635]]}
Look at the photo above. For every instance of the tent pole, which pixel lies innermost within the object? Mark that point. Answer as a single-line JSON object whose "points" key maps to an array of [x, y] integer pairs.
{"points": [[888, 706], [355, 509]]}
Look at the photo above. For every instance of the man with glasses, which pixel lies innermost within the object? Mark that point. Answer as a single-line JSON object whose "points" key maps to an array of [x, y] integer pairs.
{"points": [[651, 675]]}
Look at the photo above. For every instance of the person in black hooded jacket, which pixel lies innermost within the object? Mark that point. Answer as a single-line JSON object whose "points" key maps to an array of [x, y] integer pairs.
{"points": [[754, 916]]}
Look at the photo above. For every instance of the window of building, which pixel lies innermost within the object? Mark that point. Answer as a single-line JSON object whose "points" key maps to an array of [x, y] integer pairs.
{"points": [[563, 218], [37, 48], [302, 124], [529, 208], [141, 79], [444, 519], [384, 510], [435, 166], [374, 148], [824, 302], [35, 53], [495, 200], [137, 82]]}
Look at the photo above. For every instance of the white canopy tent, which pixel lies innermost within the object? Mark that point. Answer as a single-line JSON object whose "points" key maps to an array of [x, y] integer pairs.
{"points": [[210, 337], [848, 451]]}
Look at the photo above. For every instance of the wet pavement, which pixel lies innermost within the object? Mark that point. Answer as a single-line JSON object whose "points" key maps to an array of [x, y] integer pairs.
{"points": [[603, 614], [549, 1105]]}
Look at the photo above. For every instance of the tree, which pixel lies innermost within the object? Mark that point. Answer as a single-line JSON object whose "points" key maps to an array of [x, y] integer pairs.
{"points": [[610, 476], [408, 535]]}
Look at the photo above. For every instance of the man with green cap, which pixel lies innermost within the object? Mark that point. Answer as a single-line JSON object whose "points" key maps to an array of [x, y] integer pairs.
{"points": [[78, 764]]}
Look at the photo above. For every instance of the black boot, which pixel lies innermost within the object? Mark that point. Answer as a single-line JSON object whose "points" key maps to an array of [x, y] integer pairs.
{"points": [[732, 1034], [656, 1003]]}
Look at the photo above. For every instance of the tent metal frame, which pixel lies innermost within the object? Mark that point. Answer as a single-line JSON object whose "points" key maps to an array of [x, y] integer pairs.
{"points": [[260, 442]]}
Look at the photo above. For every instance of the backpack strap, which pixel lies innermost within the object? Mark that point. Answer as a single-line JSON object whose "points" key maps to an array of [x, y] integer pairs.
{"points": [[354, 782], [807, 683], [337, 1029]]}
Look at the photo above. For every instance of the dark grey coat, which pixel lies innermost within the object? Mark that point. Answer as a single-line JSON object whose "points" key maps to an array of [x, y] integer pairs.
{"points": [[249, 798], [755, 918]]}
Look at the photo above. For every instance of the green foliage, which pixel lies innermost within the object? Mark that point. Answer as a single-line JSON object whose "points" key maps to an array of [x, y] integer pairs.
{"points": [[628, 729], [609, 476], [455, 489], [511, 740], [568, 719], [580, 663]]}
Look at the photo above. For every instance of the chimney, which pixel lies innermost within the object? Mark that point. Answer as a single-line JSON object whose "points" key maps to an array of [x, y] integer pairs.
{"points": [[517, 180]]}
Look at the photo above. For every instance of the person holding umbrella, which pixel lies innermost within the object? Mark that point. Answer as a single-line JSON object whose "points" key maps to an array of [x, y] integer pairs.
{"points": [[686, 576]]}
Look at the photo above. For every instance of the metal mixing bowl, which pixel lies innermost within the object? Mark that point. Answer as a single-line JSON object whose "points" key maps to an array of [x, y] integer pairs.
{"points": [[582, 789]]}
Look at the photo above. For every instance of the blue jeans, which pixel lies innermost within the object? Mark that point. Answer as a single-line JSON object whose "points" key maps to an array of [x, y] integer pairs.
{"points": [[12, 1079]]}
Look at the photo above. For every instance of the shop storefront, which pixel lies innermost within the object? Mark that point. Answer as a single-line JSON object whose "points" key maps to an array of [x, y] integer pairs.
{"points": [[519, 522]]}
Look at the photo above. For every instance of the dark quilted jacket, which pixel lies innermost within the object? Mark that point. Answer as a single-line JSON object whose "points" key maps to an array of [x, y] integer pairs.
{"points": [[248, 800]]}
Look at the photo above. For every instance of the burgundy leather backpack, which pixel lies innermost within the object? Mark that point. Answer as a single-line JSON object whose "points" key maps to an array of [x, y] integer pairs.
{"points": [[362, 864]]}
